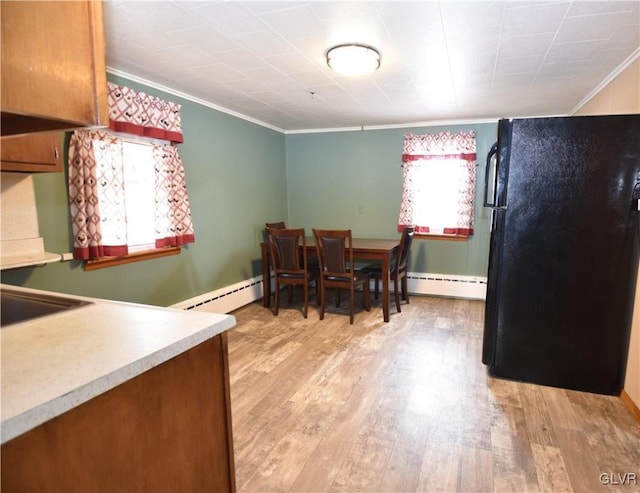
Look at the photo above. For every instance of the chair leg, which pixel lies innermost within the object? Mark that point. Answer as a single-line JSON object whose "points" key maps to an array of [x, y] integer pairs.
{"points": [[405, 289], [396, 293], [377, 287], [323, 296], [366, 293], [352, 296], [276, 299], [305, 290]]}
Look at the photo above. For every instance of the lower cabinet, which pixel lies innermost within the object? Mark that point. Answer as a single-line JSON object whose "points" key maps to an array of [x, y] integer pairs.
{"points": [[168, 429]]}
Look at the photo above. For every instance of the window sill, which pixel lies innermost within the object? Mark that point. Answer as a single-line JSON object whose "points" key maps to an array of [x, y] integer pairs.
{"points": [[105, 262], [427, 236]]}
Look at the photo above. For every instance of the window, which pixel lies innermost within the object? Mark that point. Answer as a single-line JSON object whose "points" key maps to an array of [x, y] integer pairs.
{"points": [[439, 176], [126, 197]]}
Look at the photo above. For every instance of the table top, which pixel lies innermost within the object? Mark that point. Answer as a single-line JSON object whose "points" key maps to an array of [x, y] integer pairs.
{"points": [[365, 243]]}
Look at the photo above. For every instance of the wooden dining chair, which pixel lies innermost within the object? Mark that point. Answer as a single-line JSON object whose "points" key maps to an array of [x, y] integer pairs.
{"points": [[398, 269], [335, 255], [288, 249]]}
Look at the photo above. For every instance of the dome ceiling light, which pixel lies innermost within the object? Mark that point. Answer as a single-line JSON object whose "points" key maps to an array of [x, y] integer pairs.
{"points": [[353, 59]]}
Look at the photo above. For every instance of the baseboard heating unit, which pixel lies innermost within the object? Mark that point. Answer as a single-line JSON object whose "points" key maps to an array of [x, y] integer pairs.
{"points": [[450, 286], [229, 298]]}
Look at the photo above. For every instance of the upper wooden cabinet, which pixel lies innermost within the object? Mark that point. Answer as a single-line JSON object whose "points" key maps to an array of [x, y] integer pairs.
{"points": [[36, 152], [53, 66]]}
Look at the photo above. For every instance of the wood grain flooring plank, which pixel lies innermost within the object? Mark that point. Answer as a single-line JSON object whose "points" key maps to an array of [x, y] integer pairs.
{"points": [[363, 466], [402, 472], [513, 464], [560, 408], [322, 466], [550, 469], [580, 464], [476, 470], [537, 416], [440, 471]]}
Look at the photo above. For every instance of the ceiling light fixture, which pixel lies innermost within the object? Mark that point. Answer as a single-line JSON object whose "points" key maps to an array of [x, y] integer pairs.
{"points": [[353, 59]]}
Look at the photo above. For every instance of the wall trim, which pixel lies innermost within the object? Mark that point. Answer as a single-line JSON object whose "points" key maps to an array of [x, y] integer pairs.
{"points": [[630, 405]]}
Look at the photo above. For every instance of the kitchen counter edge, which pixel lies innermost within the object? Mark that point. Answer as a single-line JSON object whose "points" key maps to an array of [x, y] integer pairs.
{"points": [[91, 374]]}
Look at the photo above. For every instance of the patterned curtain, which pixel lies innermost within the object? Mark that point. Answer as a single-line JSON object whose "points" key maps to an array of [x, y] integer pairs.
{"points": [[138, 113], [96, 195], [439, 177], [173, 213]]}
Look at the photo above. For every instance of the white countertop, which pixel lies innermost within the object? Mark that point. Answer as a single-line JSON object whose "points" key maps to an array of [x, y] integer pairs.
{"points": [[57, 362]]}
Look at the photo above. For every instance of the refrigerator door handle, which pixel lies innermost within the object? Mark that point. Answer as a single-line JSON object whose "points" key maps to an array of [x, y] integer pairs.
{"points": [[492, 152]]}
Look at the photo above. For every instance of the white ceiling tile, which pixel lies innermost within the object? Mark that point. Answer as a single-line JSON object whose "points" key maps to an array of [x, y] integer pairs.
{"points": [[562, 69], [541, 18], [220, 72], [294, 23], [265, 43], [231, 18], [582, 8], [528, 45], [517, 65], [580, 51], [440, 59], [184, 55], [205, 39], [594, 27], [627, 37], [290, 63]]}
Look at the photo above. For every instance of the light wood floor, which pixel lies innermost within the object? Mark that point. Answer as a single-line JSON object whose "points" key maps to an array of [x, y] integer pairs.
{"points": [[408, 406]]}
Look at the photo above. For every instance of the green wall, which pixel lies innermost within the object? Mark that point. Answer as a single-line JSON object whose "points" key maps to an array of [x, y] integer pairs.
{"points": [[354, 180], [241, 175], [236, 179]]}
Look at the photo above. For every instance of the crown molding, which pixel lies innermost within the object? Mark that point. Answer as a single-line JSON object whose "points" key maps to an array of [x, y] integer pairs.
{"points": [[621, 68], [191, 98]]}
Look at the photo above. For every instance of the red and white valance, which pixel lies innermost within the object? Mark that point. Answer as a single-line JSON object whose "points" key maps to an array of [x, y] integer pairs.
{"points": [[443, 145], [137, 113]]}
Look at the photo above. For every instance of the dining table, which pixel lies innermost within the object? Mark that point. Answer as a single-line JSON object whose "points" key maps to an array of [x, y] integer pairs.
{"points": [[363, 249]]}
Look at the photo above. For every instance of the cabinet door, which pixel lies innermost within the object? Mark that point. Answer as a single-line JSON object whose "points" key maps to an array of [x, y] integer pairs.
{"points": [[34, 152], [53, 65], [169, 429]]}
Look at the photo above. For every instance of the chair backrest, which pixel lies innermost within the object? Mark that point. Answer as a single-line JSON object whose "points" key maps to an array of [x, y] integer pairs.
{"points": [[285, 246], [334, 249], [405, 248], [278, 225]]}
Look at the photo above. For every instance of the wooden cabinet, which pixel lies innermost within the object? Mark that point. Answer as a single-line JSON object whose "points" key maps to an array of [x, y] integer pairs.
{"points": [[53, 66], [36, 152], [168, 429]]}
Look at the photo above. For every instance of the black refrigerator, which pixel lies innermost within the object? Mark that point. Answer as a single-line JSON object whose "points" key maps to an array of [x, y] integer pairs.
{"points": [[564, 248]]}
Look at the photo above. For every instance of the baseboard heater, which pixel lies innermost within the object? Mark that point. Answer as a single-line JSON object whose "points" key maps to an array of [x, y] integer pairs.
{"points": [[447, 285], [229, 298]]}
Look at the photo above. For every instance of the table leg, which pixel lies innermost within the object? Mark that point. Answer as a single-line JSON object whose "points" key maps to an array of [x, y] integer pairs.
{"points": [[385, 287], [266, 277]]}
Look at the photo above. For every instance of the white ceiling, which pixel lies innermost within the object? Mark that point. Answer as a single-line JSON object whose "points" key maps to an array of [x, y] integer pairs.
{"points": [[441, 61]]}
